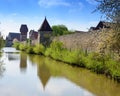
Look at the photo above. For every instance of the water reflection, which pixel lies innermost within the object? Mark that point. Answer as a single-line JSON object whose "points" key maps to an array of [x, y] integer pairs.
{"points": [[12, 56], [23, 62], [44, 74], [47, 77], [2, 68], [18, 57], [43, 71], [97, 84]]}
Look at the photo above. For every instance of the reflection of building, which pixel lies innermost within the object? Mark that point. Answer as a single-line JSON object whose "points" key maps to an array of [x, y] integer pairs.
{"points": [[12, 56], [23, 62], [43, 74]]}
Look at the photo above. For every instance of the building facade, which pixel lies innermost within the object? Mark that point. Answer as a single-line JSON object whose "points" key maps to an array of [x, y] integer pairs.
{"points": [[22, 36], [23, 31], [44, 33]]}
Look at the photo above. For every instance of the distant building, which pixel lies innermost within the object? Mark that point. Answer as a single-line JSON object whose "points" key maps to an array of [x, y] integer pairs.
{"points": [[33, 35], [101, 25], [11, 36], [23, 30], [92, 28], [22, 36], [44, 33]]}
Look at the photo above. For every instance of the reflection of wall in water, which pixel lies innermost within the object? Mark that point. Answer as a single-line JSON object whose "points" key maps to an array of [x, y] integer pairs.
{"points": [[23, 62], [12, 56], [43, 74]]}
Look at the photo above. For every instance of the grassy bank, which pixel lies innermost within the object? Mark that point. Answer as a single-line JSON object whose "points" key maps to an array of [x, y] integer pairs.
{"points": [[99, 63]]}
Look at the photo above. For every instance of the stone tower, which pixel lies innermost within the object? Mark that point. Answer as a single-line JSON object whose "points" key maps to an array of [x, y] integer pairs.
{"points": [[23, 30], [44, 33]]}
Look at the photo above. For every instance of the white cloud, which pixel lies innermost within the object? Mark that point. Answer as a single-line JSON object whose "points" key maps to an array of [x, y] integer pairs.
{"points": [[9, 26], [93, 2], [50, 3]]}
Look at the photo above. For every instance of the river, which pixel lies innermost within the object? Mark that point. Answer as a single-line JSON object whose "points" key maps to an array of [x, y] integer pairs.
{"points": [[33, 75]]}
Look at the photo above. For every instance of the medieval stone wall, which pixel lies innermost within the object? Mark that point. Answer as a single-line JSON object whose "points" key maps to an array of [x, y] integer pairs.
{"points": [[89, 41]]}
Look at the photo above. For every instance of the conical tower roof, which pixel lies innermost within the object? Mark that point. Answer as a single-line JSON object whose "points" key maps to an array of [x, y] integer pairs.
{"points": [[45, 26]]}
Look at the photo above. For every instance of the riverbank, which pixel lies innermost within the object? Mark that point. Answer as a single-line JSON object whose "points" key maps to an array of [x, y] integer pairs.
{"points": [[99, 63], [21, 69]]}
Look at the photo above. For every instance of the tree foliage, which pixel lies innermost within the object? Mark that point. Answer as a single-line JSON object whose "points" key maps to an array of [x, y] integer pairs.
{"points": [[111, 8], [1, 40], [60, 30]]}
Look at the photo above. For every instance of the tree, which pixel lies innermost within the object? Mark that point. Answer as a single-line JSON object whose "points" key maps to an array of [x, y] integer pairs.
{"points": [[1, 41], [59, 30], [111, 8]]}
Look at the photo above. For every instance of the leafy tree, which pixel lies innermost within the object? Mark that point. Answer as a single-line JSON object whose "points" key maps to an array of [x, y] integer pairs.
{"points": [[111, 8], [59, 30], [1, 40]]}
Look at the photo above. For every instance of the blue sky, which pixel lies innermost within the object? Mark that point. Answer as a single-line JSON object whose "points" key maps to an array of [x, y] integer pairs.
{"points": [[75, 14]]}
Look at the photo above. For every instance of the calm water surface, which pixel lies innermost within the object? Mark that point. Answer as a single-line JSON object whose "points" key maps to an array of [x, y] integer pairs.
{"points": [[33, 75]]}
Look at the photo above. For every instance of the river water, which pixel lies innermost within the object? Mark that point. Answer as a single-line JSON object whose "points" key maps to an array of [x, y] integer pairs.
{"points": [[34, 75]]}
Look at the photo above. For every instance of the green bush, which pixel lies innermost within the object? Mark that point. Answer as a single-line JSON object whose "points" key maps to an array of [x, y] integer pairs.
{"points": [[16, 45], [113, 69], [30, 50], [47, 52], [23, 47], [58, 52], [39, 49], [71, 57], [95, 62]]}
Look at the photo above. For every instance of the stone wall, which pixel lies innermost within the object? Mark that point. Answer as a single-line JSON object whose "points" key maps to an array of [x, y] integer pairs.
{"points": [[89, 41]]}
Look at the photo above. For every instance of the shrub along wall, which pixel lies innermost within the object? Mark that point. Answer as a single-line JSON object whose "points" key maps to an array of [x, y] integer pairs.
{"points": [[101, 41], [99, 63]]}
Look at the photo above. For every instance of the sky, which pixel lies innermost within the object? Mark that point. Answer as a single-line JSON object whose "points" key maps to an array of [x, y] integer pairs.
{"points": [[74, 14]]}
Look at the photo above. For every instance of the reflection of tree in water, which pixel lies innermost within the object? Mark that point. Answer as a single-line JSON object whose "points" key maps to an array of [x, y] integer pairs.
{"points": [[23, 62]]}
